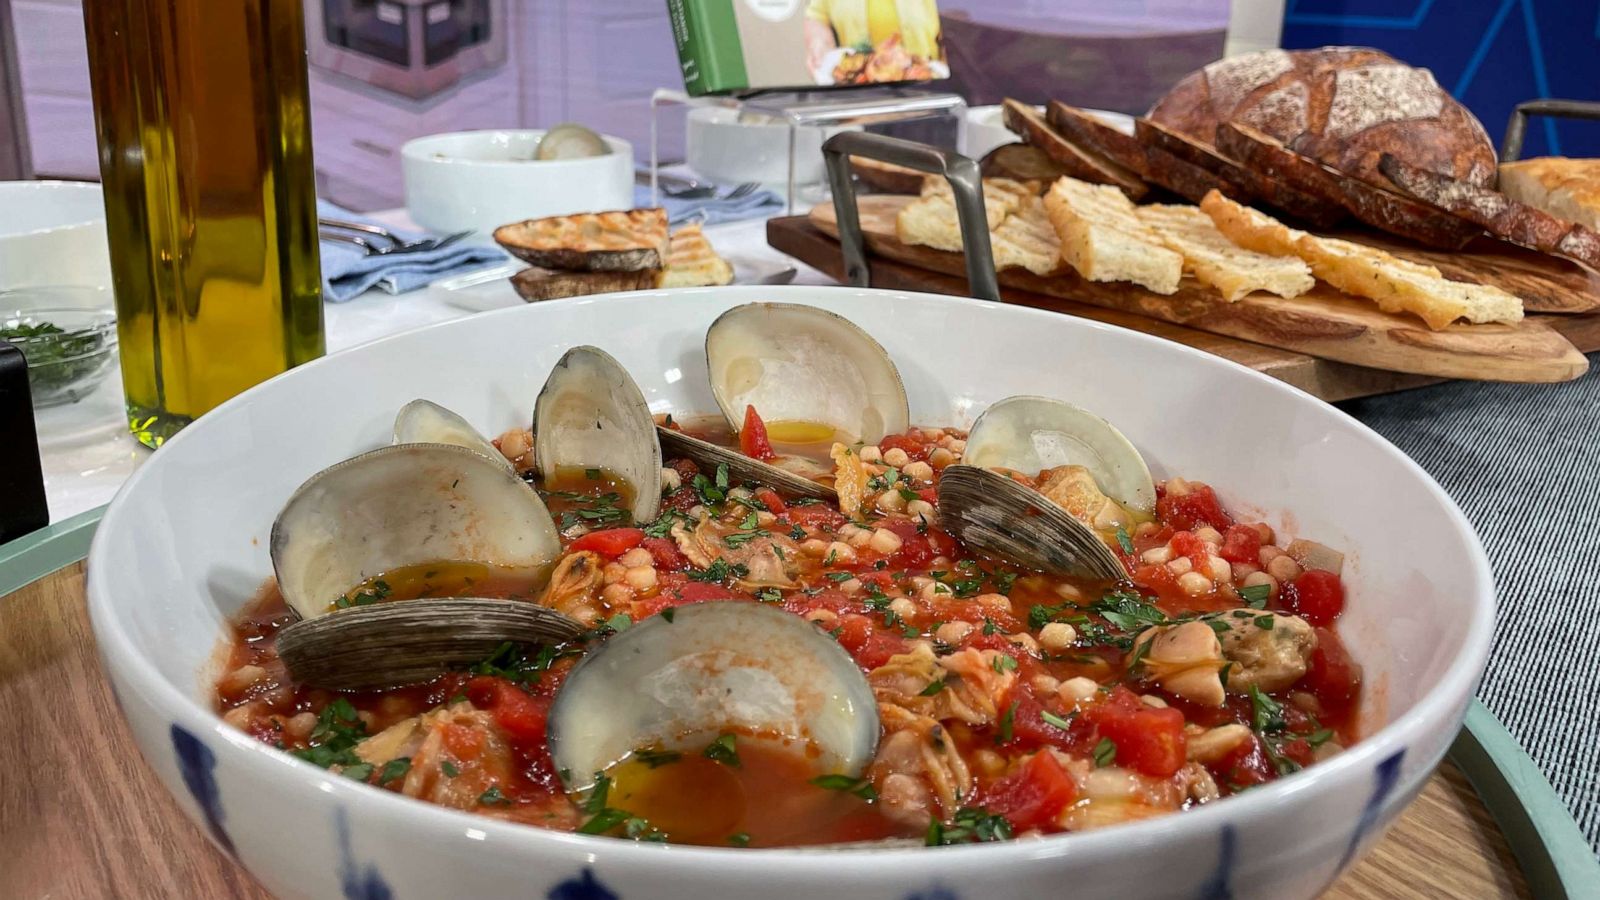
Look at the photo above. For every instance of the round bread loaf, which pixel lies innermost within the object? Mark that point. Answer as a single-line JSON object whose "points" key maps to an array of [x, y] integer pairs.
{"points": [[1344, 106]]}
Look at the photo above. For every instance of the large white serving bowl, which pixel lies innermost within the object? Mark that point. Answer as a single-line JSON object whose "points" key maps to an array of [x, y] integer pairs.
{"points": [[184, 545], [480, 180], [52, 234]]}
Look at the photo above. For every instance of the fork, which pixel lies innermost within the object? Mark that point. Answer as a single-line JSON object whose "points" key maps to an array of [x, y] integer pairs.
{"points": [[332, 230]]}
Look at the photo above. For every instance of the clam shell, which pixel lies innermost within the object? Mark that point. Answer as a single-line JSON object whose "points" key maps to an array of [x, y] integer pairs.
{"points": [[403, 642], [990, 512], [591, 415], [797, 363], [741, 468], [426, 422], [1030, 434], [712, 668], [402, 505]]}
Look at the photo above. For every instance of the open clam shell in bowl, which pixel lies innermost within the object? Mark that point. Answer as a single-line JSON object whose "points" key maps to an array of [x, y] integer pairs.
{"points": [[1053, 695]]}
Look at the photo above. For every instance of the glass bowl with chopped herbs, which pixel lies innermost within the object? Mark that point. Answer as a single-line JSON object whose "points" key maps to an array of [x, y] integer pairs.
{"points": [[68, 341]]}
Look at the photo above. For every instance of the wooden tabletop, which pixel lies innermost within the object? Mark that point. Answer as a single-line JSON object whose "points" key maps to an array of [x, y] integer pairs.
{"points": [[81, 816]]}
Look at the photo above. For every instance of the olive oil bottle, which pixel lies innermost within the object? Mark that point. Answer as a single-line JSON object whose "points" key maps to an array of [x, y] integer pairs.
{"points": [[205, 156]]}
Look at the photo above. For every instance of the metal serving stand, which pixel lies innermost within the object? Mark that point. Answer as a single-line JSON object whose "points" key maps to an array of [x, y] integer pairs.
{"points": [[865, 106], [1517, 128]]}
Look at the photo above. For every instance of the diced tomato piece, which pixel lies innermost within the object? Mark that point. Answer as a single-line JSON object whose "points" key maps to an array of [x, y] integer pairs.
{"points": [[1160, 581], [770, 499], [929, 494], [1245, 765], [869, 647], [913, 448], [519, 714], [1185, 543], [665, 554], [753, 436], [814, 515], [1148, 739], [1316, 596], [915, 547], [1298, 749], [610, 542], [1033, 796], [1333, 677], [1029, 729], [1241, 544], [1191, 510], [702, 592]]}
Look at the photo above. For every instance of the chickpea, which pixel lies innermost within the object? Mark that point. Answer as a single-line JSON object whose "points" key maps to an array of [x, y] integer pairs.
{"points": [[636, 557], [851, 586], [1208, 534], [896, 457], [814, 547], [1077, 691], [615, 595], [1221, 570], [1057, 636], [953, 632], [613, 573], [1283, 568], [870, 454], [920, 509], [884, 541], [1156, 556], [1045, 684], [1180, 565], [840, 552], [822, 616], [890, 501], [1194, 584], [670, 480], [940, 458], [642, 578], [918, 471], [902, 607]]}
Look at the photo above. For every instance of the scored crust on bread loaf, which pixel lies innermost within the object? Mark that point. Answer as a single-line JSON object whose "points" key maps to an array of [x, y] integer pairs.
{"points": [[886, 177], [1396, 285], [1565, 188], [1246, 181], [536, 283], [627, 241], [1216, 261], [1379, 207], [691, 262], [1343, 106], [931, 220], [1500, 215], [1079, 162], [1104, 240]]}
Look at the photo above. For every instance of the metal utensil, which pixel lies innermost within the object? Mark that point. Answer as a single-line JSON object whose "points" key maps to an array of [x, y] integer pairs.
{"points": [[336, 230]]}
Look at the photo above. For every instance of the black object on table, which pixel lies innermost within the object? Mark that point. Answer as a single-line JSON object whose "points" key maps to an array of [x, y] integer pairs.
{"points": [[22, 501]]}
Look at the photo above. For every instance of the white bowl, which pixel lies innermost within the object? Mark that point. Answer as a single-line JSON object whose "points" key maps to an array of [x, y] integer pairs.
{"points": [[480, 180], [986, 128], [171, 562], [52, 233], [719, 147]]}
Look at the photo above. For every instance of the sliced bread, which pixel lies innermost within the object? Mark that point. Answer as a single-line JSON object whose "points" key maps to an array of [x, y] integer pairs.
{"points": [[626, 241], [1027, 240], [1396, 285], [931, 219], [692, 263], [535, 283], [1216, 261], [1103, 238]]}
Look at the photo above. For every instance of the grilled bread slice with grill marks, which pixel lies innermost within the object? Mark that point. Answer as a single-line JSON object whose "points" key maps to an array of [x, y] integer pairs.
{"points": [[1103, 238], [1027, 240], [1214, 260], [931, 219], [692, 263], [1396, 285], [624, 241]]}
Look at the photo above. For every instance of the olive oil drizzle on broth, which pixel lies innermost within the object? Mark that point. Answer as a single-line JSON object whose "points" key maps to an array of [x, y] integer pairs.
{"points": [[595, 498]]}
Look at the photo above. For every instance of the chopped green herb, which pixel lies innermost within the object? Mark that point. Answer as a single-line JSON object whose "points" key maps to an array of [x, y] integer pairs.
{"points": [[619, 622], [861, 787], [970, 825], [1007, 721], [769, 595], [722, 476], [493, 797], [603, 821], [357, 772], [1266, 714], [394, 769], [1051, 718], [668, 613], [1123, 541], [1128, 612], [334, 737], [1105, 753], [1264, 622], [1255, 595], [596, 801], [640, 829], [933, 687], [1003, 663], [657, 758], [723, 750], [1003, 582], [1319, 737], [989, 627], [592, 474], [739, 839], [449, 768]]}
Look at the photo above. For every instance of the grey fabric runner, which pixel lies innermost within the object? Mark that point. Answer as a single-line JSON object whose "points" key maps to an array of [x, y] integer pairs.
{"points": [[1523, 461]]}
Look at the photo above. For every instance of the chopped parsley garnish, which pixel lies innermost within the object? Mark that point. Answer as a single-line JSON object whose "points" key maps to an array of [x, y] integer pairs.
{"points": [[1264, 622], [1255, 595], [668, 613], [662, 526], [357, 772], [640, 829], [1123, 541], [603, 821], [592, 474], [619, 622], [1007, 721], [1003, 582], [719, 570], [933, 687], [655, 758], [1266, 714], [1128, 612], [596, 801], [723, 750], [1105, 753], [1051, 718], [394, 769], [769, 595], [966, 587], [1003, 663], [449, 768], [861, 787], [989, 626], [1319, 737], [970, 825], [334, 738], [514, 662], [379, 590], [493, 797], [739, 839]]}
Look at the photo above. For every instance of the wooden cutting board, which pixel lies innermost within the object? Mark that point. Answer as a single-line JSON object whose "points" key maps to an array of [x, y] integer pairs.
{"points": [[88, 819], [1323, 323]]}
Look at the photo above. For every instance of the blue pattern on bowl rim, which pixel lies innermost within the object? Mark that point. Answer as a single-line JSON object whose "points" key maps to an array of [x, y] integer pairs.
{"points": [[583, 887], [357, 881], [197, 764]]}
